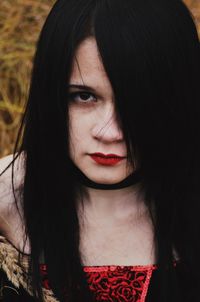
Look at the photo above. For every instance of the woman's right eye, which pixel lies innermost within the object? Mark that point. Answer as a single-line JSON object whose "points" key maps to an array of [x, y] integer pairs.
{"points": [[82, 97]]}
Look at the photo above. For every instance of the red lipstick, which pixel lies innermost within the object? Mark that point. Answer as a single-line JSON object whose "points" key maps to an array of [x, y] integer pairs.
{"points": [[106, 159]]}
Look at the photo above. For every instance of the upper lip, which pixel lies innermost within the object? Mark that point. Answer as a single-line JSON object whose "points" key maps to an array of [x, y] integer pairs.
{"points": [[107, 155]]}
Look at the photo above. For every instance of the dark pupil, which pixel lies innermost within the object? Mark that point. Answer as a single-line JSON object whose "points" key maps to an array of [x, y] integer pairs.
{"points": [[84, 96]]}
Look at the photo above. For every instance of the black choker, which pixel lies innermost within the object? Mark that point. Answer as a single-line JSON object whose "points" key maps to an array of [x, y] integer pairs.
{"points": [[128, 181]]}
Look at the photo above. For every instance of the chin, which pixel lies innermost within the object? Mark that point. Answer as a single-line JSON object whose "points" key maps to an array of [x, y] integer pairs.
{"points": [[103, 180]]}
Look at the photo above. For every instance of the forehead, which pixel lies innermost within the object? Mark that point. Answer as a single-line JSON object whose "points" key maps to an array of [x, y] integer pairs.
{"points": [[87, 66]]}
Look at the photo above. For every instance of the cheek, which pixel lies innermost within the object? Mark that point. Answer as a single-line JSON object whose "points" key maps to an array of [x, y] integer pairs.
{"points": [[78, 132], [81, 122], [78, 128]]}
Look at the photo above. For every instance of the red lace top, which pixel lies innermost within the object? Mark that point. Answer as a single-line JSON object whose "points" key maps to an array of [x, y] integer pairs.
{"points": [[119, 283], [115, 283]]}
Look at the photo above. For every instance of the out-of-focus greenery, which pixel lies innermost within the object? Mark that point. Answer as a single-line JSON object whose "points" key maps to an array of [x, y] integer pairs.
{"points": [[20, 24]]}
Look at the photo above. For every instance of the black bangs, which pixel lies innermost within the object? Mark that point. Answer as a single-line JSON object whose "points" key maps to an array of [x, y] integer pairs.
{"points": [[146, 51]]}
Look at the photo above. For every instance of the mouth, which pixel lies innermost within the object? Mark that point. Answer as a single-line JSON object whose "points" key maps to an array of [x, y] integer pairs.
{"points": [[106, 159], [107, 155]]}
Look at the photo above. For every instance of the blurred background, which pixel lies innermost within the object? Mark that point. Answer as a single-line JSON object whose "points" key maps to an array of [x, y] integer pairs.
{"points": [[20, 24]]}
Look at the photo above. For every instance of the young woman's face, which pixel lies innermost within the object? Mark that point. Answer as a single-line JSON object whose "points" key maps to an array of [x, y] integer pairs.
{"points": [[92, 120]]}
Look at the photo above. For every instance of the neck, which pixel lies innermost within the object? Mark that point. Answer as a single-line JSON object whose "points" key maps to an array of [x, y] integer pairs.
{"points": [[109, 206], [110, 200]]}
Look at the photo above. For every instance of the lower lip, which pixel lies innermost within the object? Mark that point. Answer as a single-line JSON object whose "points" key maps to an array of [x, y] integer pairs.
{"points": [[110, 161]]}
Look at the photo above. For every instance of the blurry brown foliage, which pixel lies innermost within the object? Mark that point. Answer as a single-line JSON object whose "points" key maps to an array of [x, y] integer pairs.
{"points": [[20, 24], [194, 6]]}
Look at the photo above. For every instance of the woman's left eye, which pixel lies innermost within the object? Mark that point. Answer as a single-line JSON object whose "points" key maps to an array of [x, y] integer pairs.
{"points": [[82, 97]]}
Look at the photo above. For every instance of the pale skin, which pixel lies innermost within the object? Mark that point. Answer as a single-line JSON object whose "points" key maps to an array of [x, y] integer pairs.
{"points": [[115, 226]]}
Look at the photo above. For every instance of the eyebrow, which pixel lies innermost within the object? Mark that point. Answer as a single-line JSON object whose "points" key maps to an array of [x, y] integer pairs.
{"points": [[81, 87]]}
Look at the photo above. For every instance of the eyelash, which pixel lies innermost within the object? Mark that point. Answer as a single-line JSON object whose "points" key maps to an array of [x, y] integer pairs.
{"points": [[73, 95]]}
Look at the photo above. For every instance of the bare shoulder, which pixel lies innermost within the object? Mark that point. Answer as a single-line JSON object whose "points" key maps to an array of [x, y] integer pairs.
{"points": [[6, 193], [11, 222]]}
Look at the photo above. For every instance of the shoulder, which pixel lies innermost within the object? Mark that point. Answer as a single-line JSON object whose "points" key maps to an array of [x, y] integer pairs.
{"points": [[6, 173], [6, 190], [7, 160]]}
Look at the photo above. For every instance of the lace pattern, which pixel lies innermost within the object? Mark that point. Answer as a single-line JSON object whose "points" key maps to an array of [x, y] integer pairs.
{"points": [[115, 283]]}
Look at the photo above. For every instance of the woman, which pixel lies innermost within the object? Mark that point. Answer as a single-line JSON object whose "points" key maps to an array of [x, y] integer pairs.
{"points": [[106, 164]]}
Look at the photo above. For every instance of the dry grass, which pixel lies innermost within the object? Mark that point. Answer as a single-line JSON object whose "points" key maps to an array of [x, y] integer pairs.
{"points": [[20, 24], [194, 6]]}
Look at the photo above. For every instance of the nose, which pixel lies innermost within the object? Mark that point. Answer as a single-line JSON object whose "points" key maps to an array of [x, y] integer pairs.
{"points": [[107, 129]]}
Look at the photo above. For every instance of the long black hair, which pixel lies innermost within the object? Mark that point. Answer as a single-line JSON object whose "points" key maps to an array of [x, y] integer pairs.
{"points": [[151, 53]]}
